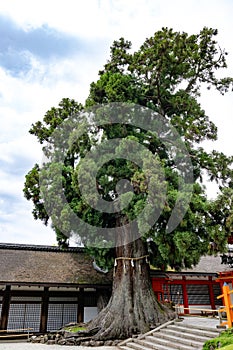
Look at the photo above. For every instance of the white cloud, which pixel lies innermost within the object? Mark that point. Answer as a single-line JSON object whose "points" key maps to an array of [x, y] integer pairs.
{"points": [[20, 227], [106, 18], [70, 16]]}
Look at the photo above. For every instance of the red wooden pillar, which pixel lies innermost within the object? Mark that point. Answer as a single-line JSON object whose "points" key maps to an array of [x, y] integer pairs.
{"points": [[211, 293], [185, 295], [157, 286]]}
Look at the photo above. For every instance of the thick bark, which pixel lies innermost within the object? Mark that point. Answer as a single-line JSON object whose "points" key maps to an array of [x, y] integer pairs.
{"points": [[133, 307]]}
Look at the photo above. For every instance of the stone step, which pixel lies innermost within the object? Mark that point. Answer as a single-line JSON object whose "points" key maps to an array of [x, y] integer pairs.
{"points": [[133, 345], [186, 335], [147, 346], [154, 342], [195, 326], [196, 331], [176, 336], [176, 339], [164, 347]]}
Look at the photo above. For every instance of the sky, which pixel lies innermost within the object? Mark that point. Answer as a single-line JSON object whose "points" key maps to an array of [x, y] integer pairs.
{"points": [[54, 49]]}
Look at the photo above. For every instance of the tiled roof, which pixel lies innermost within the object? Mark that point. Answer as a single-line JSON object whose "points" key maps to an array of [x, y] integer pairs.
{"points": [[210, 263], [43, 264], [38, 264]]}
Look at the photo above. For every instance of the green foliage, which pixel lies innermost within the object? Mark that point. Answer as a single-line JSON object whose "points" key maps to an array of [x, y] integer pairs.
{"points": [[104, 257], [224, 341], [228, 347], [53, 118], [220, 219], [32, 192], [74, 329], [165, 74]]}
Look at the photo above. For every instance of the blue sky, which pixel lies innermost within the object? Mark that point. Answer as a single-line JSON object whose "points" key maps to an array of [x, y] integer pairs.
{"points": [[18, 46], [54, 49]]}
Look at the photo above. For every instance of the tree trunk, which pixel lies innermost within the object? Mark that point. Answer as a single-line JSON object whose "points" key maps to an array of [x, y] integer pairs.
{"points": [[133, 307]]}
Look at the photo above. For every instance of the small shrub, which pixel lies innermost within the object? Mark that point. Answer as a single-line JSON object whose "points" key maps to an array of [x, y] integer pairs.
{"points": [[225, 339]]}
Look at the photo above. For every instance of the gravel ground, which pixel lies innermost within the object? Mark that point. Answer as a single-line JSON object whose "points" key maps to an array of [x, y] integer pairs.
{"points": [[30, 346]]}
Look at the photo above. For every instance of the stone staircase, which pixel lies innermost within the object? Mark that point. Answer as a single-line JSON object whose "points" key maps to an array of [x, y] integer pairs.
{"points": [[172, 335]]}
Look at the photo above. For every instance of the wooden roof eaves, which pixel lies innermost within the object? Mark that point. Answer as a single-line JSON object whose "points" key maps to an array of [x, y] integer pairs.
{"points": [[62, 285]]}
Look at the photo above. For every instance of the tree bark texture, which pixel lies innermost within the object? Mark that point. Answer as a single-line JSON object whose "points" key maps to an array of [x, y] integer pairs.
{"points": [[133, 307]]}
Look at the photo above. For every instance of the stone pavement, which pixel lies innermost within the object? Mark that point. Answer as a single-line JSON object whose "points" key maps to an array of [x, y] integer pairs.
{"points": [[31, 346], [201, 321]]}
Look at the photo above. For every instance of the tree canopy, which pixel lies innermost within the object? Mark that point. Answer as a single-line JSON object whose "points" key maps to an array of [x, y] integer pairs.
{"points": [[165, 75]]}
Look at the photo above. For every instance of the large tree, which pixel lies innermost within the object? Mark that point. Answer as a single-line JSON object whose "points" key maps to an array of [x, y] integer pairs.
{"points": [[161, 82]]}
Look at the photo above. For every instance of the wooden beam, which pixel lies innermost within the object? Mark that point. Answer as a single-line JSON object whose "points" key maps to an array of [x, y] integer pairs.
{"points": [[5, 307], [44, 310], [80, 316], [211, 294]]}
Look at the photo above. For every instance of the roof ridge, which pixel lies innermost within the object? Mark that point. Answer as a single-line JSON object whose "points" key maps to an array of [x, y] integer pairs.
{"points": [[20, 246]]}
